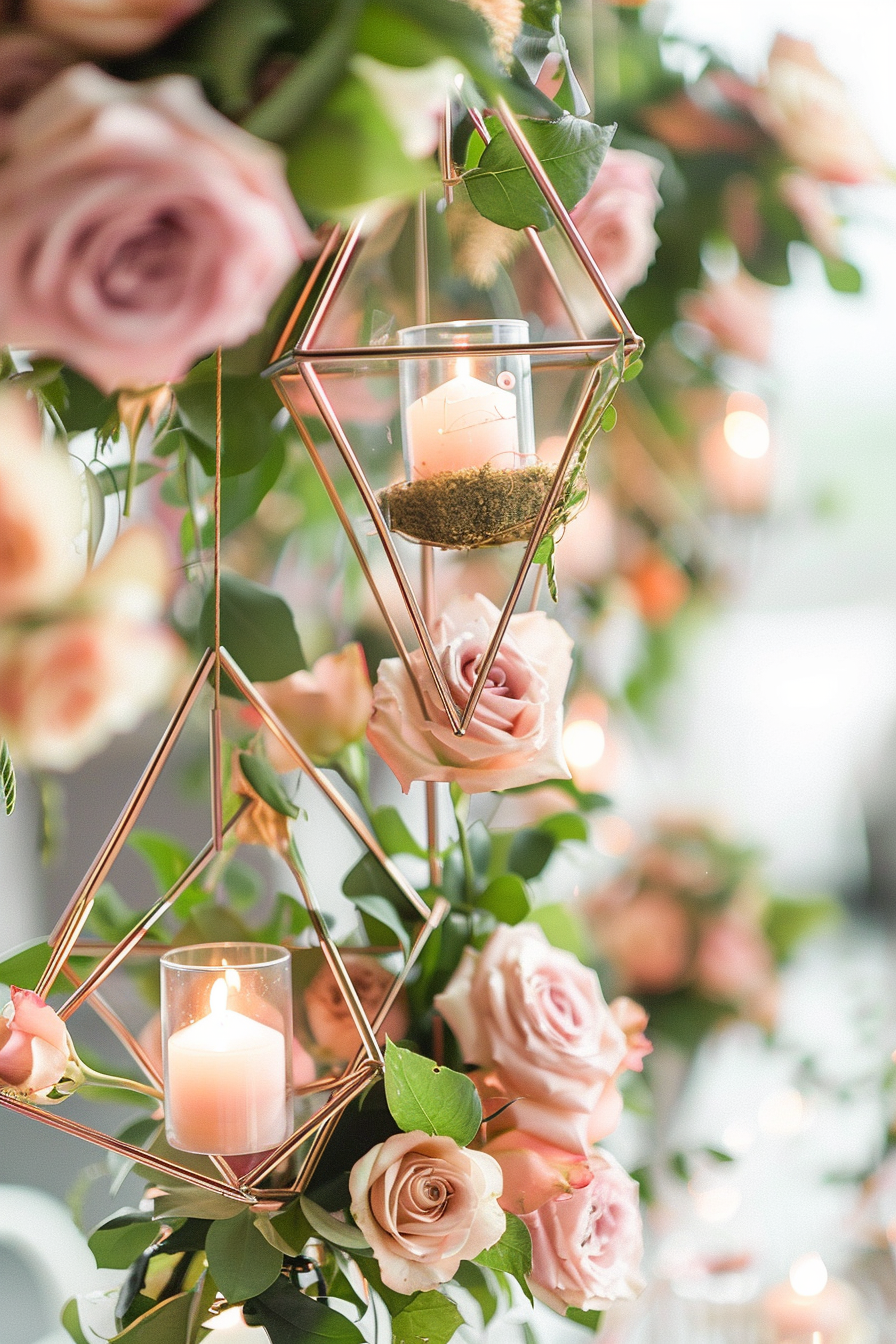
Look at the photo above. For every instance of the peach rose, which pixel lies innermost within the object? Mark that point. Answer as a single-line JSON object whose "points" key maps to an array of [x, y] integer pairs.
{"points": [[28, 61], [113, 27], [66, 689], [329, 1018], [583, 1217], [34, 1045], [660, 587], [40, 513], [647, 940], [514, 736], [324, 709], [733, 962], [535, 1020], [736, 313], [807, 110], [140, 229], [424, 1204]]}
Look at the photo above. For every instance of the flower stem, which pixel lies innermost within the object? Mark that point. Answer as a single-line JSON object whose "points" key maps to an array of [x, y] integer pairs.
{"points": [[463, 840], [128, 1084]]}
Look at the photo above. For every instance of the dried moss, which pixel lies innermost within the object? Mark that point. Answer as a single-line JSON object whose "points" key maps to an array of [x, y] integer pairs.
{"points": [[463, 510]]}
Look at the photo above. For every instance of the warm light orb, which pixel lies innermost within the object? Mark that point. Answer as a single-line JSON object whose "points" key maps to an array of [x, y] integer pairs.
{"points": [[746, 433], [584, 742], [808, 1275]]}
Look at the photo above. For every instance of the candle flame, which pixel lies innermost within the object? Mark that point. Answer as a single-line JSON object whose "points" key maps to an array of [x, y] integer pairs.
{"points": [[217, 999], [232, 978], [808, 1275]]}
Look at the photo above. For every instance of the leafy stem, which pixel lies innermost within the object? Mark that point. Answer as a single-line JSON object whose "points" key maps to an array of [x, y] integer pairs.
{"points": [[109, 1080], [461, 803]]}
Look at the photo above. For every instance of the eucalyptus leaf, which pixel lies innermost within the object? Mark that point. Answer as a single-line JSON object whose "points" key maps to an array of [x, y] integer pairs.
{"points": [[333, 1229], [257, 629], [571, 150], [266, 783], [241, 1260], [289, 1316], [429, 1318], [428, 1096], [512, 1254]]}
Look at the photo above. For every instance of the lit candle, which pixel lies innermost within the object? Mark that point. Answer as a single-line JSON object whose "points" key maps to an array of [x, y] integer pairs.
{"points": [[811, 1307], [463, 423], [225, 1087]]}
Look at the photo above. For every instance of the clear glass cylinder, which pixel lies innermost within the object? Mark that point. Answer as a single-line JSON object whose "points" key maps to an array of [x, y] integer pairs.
{"points": [[470, 409], [227, 1047]]}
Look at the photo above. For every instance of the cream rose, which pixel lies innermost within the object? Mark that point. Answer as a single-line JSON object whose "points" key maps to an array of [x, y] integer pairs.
{"points": [[535, 1020], [34, 1045], [424, 1204], [514, 736], [113, 27], [583, 1217], [329, 1019], [140, 229], [807, 110], [40, 513], [324, 709]]}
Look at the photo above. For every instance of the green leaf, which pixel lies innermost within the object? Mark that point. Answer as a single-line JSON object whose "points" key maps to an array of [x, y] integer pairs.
{"points": [[88, 407], [788, 922], [257, 629], [429, 1318], [842, 275], [633, 371], [248, 407], [393, 834], [288, 919], [369, 878], [507, 897], [241, 495], [7, 778], [164, 1323], [608, 419], [289, 1316], [138, 1132], [565, 826], [512, 1254], [563, 929], [118, 1240], [189, 1201], [571, 151], [25, 965], [266, 783], [541, 13], [333, 1229], [471, 1278], [544, 551], [591, 1319], [112, 480], [71, 1321], [241, 1260], [293, 1227], [167, 858], [381, 917], [424, 1095], [265, 1225], [231, 39], [529, 852]]}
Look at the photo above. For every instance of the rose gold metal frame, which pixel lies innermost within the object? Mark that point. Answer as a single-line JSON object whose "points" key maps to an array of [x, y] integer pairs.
{"points": [[308, 362]]}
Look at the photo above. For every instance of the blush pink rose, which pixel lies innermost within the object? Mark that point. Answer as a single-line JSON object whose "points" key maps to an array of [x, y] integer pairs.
{"points": [[615, 217], [535, 1020], [34, 1044], [737, 314], [324, 709], [514, 736], [583, 1217], [733, 961], [810, 201], [40, 514], [140, 229], [28, 61], [807, 110], [329, 1019], [68, 688], [110, 27], [424, 1204], [647, 939]]}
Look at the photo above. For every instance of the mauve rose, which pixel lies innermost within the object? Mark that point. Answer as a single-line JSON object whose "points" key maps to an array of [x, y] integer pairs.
{"points": [[324, 709], [40, 513], [34, 1044], [28, 61], [113, 27], [329, 1018], [140, 229], [535, 1020], [807, 110], [736, 313], [583, 1217], [424, 1204], [514, 736], [647, 939]]}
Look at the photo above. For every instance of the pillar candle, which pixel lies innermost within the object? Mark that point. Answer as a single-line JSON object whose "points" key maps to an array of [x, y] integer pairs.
{"points": [[225, 1090], [812, 1307], [463, 423]]}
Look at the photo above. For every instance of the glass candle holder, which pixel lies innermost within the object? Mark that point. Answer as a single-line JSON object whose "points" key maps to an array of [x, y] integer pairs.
{"points": [[227, 1047], [470, 409]]}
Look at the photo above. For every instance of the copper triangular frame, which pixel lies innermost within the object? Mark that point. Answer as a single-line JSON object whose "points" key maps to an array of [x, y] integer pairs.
{"points": [[608, 353], [64, 941]]}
